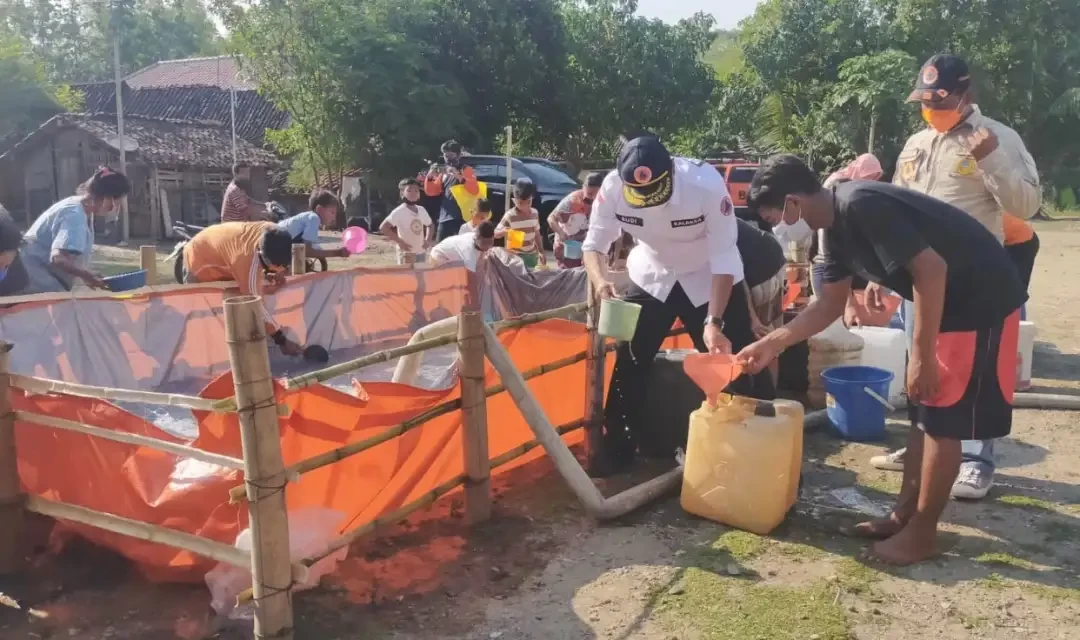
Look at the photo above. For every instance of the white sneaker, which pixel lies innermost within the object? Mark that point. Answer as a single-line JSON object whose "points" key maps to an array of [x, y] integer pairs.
{"points": [[892, 461], [973, 483]]}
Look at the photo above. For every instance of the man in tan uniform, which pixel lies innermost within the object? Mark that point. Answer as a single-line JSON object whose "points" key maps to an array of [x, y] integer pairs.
{"points": [[979, 166]]}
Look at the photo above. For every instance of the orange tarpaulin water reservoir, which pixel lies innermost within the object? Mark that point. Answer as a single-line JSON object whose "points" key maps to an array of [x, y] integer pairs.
{"points": [[153, 487]]}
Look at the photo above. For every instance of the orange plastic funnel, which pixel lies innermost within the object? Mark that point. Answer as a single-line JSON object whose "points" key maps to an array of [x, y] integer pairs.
{"points": [[793, 291], [712, 372]]}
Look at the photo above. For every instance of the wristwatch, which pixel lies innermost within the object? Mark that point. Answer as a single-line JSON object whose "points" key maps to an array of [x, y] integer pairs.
{"points": [[715, 321]]}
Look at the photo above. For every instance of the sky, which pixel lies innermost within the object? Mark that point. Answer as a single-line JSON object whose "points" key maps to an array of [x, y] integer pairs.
{"points": [[728, 12]]}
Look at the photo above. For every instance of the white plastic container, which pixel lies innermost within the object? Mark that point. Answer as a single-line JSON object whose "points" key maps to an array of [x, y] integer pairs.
{"points": [[886, 349], [1025, 351], [833, 347]]}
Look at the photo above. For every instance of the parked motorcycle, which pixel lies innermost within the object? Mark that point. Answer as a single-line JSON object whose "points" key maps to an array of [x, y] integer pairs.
{"points": [[185, 232]]}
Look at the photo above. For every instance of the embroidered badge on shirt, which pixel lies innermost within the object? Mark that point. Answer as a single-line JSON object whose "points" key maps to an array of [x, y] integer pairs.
{"points": [[687, 222], [726, 206], [637, 222], [907, 172], [966, 167]]}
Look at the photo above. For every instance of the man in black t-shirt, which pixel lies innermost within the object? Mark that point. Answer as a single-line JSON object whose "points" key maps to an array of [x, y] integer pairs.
{"points": [[967, 295]]}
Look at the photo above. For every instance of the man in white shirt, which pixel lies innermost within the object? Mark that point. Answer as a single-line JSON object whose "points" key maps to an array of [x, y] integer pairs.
{"points": [[304, 227], [465, 247], [684, 266], [409, 225]]}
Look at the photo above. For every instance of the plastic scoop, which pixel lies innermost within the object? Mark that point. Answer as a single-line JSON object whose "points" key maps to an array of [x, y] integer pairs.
{"points": [[515, 239], [355, 239], [712, 372], [793, 291]]}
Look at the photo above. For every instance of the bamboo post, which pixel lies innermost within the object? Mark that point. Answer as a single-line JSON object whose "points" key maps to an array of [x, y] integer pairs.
{"points": [[148, 261], [474, 417], [594, 382], [11, 499], [299, 259], [264, 470]]}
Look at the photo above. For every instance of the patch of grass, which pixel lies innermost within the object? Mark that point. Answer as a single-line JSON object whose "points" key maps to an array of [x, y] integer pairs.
{"points": [[1006, 560], [741, 545], [993, 581], [889, 483], [1051, 592], [1027, 502], [799, 551], [856, 577], [722, 608]]}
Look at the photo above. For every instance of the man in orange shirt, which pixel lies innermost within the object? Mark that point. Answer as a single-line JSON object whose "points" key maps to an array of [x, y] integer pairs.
{"points": [[254, 254]]}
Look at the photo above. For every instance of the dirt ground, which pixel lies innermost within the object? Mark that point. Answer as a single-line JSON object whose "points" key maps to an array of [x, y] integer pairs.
{"points": [[540, 569]]}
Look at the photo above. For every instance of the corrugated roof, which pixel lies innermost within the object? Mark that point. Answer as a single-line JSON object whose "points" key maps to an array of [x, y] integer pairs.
{"points": [[220, 71], [161, 143], [254, 113]]}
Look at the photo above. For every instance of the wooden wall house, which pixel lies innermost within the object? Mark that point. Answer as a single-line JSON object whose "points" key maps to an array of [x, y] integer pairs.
{"points": [[179, 170]]}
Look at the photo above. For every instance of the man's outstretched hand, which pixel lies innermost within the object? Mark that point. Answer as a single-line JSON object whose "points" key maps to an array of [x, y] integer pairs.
{"points": [[758, 355]]}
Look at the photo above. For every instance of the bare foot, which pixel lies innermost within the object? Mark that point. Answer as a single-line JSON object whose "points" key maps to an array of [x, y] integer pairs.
{"points": [[879, 529], [911, 545]]}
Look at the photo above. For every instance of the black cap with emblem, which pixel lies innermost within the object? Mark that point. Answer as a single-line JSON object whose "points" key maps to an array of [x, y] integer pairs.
{"points": [[943, 75], [646, 168]]}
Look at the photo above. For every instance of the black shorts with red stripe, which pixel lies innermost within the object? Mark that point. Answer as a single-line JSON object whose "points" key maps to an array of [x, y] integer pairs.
{"points": [[977, 381]]}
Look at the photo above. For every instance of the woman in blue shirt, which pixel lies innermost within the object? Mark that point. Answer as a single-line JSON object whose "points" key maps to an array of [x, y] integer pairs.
{"points": [[60, 242]]}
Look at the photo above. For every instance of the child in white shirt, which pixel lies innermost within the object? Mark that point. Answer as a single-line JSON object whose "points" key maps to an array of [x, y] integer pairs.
{"points": [[409, 225]]}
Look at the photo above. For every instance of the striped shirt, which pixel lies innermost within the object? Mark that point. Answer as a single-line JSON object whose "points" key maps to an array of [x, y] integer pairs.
{"points": [[236, 205]]}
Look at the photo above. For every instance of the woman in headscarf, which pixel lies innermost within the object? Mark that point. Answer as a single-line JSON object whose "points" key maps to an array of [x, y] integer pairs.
{"points": [[60, 242]]}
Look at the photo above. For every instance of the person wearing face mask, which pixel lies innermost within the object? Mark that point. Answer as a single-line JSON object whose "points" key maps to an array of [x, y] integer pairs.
{"points": [[409, 225], [967, 296], [454, 188], [570, 218], [467, 248], [60, 242], [979, 166], [685, 265], [255, 255]]}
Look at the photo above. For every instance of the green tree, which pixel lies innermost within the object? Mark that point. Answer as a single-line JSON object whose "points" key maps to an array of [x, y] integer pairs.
{"points": [[73, 38], [26, 101], [872, 83], [360, 94], [622, 72]]}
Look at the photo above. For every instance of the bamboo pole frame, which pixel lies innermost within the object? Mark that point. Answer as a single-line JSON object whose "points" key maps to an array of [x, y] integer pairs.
{"points": [[599, 507], [148, 262], [180, 450], [44, 386], [264, 470], [140, 530], [427, 499], [322, 375], [299, 259], [474, 417], [11, 499], [594, 382], [308, 465]]}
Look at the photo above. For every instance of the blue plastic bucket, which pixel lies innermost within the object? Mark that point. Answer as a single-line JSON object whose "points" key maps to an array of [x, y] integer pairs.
{"points": [[855, 412], [126, 281], [572, 249]]}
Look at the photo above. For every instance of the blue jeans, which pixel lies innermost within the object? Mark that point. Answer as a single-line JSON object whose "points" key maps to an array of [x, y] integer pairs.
{"points": [[978, 452]]}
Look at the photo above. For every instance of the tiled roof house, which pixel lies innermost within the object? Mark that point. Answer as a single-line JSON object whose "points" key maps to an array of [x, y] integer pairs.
{"points": [[178, 130]]}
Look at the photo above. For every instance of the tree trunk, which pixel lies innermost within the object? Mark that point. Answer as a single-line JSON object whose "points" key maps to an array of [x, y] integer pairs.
{"points": [[873, 130]]}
